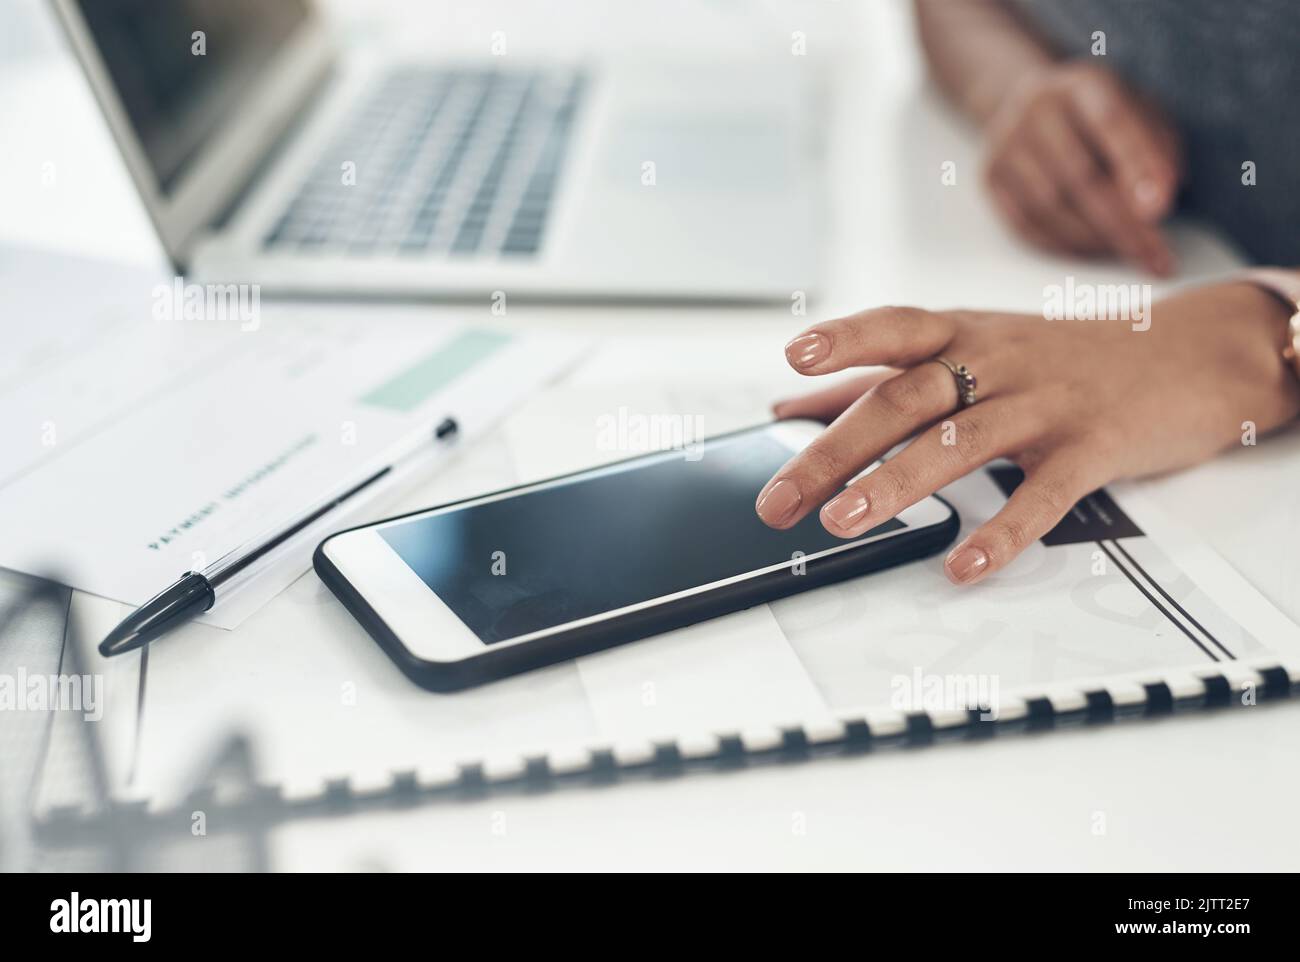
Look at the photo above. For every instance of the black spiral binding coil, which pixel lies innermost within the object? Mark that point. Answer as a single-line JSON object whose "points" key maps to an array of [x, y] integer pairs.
{"points": [[228, 786]]}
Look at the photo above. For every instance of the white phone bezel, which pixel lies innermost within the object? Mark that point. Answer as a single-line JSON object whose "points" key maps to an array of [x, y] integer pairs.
{"points": [[431, 631]]}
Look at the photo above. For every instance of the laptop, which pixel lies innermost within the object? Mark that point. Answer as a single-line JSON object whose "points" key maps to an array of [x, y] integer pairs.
{"points": [[265, 157]]}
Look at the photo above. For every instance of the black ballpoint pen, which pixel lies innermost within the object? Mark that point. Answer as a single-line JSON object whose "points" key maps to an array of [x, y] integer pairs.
{"points": [[196, 592]]}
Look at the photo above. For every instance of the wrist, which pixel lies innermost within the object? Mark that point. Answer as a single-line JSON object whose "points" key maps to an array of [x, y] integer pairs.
{"points": [[989, 93], [1283, 285], [1259, 320]]}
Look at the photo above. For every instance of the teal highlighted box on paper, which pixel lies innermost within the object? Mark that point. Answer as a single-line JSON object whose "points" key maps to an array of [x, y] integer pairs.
{"points": [[426, 377]]}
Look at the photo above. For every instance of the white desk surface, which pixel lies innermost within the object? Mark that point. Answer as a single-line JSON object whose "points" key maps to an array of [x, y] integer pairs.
{"points": [[1203, 792]]}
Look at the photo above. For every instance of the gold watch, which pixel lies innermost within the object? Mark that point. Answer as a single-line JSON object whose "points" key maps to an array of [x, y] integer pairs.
{"points": [[1286, 285]]}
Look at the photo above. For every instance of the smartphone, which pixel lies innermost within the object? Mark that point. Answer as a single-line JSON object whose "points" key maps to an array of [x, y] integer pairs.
{"points": [[486, 587]]}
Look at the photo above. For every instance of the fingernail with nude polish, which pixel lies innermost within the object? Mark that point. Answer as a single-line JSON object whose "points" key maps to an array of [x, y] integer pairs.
{"points": [[967, 563], [778, 503], [808, 349], [845, 514]]}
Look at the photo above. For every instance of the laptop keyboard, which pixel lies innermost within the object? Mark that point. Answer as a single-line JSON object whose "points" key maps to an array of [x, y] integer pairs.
{"points": [[437, 161]]}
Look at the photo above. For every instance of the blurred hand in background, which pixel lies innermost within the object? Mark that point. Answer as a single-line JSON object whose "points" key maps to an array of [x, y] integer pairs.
{"points": [[1077, 162]]}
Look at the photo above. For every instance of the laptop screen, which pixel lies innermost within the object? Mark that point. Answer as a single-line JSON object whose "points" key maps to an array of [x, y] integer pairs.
{"points": [[181, 67]]}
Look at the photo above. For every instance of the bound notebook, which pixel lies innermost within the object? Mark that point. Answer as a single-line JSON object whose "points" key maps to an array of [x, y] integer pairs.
{"points": [[1117, 614]]}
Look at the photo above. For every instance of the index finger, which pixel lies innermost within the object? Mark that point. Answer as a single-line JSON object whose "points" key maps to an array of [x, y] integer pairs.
{"points": [[1101, 204], [887, 336], [1136, 155], [1093, 192], [890, 412]]}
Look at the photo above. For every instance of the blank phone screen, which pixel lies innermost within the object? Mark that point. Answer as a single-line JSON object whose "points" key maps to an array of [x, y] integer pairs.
{"points": [[176, 93], [607, 539]]}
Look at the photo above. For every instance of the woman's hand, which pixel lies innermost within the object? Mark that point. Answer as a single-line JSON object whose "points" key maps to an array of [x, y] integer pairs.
{"points": [[1076, 404], [1079, 164]]}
